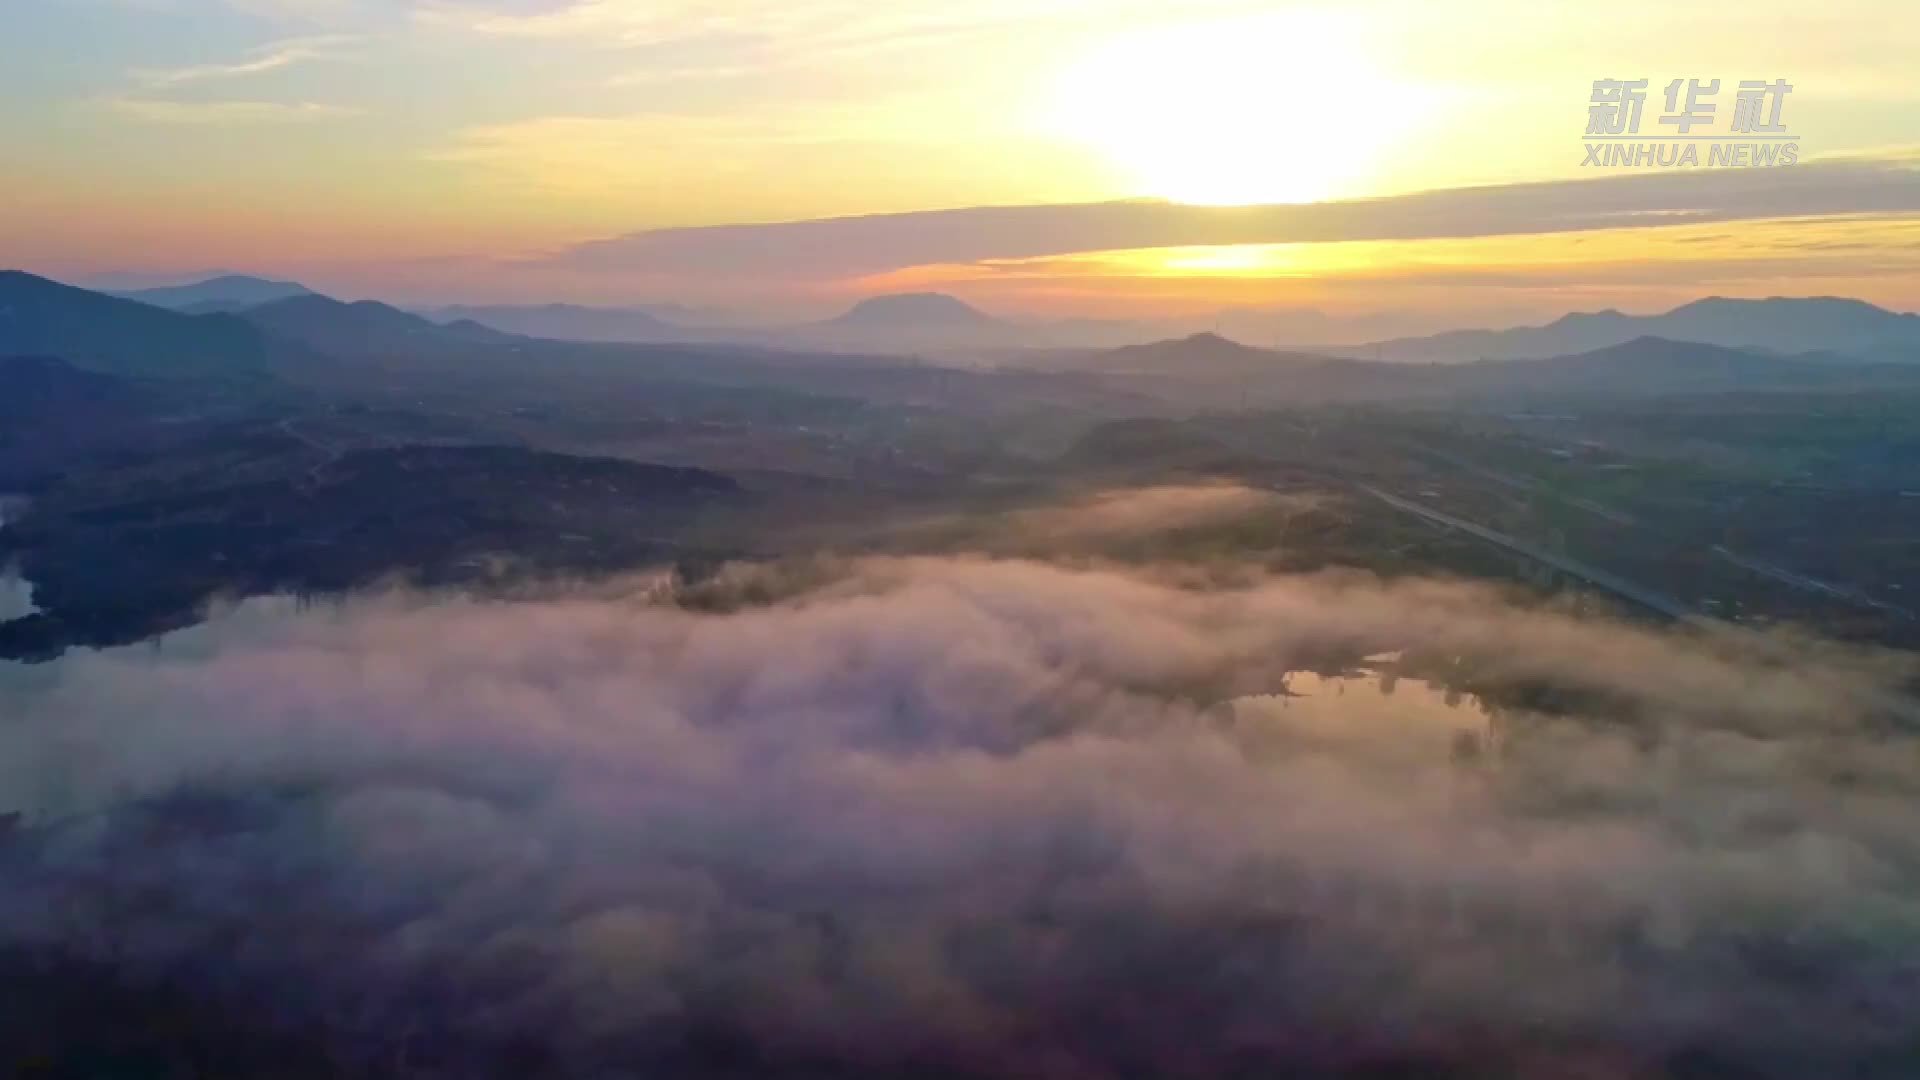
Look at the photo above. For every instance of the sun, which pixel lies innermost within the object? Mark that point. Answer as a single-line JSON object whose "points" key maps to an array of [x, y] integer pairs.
{"points": [[1286, 107]]}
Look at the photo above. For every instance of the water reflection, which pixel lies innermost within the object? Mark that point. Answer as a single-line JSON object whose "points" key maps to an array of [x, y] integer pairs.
{"points": [[1371, 705]]}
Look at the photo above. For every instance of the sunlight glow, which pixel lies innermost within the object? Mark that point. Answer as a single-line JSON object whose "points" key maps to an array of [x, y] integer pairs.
{"points": [[1286, 107]]}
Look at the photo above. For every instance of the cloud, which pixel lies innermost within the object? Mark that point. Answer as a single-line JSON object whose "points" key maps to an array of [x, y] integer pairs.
{"points": [[1686, 256], [301, 11], [221, 113], [271, 57], [1127, 523], [806, 27], [958, 816], [306, 10], [155, 103], [873, 244], [1148, 511]]}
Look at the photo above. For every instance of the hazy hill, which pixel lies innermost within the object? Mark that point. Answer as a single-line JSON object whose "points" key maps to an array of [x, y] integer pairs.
{"points": [[363, 328], [1574, 333], [231, 292], [1791, 325], [571, 322], [907, 322], [942, 323], [1651, 366], [1205, 355], [901, 311], [881, 323], [216, 307], [106, 333], [1777, 324], [50, 409], [900, 322], [1643, 365], [1209, 369]]}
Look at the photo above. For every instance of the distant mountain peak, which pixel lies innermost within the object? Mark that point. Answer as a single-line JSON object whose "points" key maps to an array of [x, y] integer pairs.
{"points": [[228, 291], [328, 324], [229, 280], [914, 309], [1204, 354], [1572, 318], [1207, 339], [316, 304], [1654, 343], [1838, 304]]}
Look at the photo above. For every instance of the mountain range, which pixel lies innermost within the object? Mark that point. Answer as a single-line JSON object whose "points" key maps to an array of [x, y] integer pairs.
{"points": [[1202, 355], [1776, 324], [910, 322], [363, 327], [1206, 370], [941, 323], [1777, 344]]}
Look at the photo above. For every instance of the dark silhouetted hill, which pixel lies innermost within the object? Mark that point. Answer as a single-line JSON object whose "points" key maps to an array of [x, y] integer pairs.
{"points": [[364, 328], [54, 416], [113, 570], [125, 337]]}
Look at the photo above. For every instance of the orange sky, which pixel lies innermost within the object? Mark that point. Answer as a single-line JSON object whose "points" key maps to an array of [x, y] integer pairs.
{"points": [[463, 149]]}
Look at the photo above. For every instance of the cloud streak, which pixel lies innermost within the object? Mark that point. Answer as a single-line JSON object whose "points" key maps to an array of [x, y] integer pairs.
{"points": [[819, 29], [873, 244], [224, 113], [272, 57]]}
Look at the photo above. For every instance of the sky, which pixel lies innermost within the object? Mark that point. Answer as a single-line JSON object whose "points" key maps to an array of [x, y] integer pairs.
{"points": [[1038, 157]]}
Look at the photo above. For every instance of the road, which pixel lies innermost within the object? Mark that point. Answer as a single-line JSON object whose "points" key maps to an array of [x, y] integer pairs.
{"points": [[1891, 703], [1592, 575], [1807, 584], [332, 454], [1749, 563]]}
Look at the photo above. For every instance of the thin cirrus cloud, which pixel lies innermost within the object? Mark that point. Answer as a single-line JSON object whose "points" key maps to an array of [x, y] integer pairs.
{"points": [[272, 57], [621, 23], [227, 112], [158, 95], [873, 244]]}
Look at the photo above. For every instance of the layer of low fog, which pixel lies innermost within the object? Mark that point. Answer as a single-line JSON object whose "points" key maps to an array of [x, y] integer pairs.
{"points": [[962, 816], [16, 593]]}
